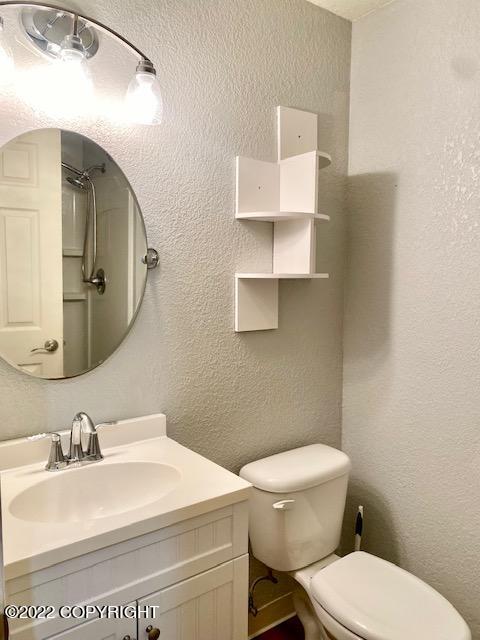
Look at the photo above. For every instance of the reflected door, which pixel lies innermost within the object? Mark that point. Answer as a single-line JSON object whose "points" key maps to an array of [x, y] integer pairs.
{"points": [[121, 243], [31, 292]]}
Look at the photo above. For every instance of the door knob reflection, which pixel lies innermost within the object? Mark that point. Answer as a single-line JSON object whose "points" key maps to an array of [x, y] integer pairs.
{"points": [[50, 346]]}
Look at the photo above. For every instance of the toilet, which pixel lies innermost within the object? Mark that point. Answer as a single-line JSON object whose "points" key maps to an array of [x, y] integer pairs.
{"points": [[296, 513]]}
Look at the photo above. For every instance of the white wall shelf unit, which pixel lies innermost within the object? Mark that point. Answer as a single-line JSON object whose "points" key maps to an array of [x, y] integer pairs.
{"points": [[284, 193]]}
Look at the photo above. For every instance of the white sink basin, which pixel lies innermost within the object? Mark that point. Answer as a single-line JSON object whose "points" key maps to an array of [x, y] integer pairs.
{"points": [[145, 483], [95, 491]]}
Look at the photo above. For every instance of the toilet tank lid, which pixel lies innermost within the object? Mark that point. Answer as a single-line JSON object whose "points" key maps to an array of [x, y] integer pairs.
{"points": [[297, 469]]}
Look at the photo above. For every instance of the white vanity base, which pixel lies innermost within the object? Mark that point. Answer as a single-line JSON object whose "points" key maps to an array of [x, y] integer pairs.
{"points": [[194, 571]]}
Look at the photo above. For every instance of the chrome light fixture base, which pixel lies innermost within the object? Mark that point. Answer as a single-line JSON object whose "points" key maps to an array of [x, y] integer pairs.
{"points": [[145, 66], [47, 29]]}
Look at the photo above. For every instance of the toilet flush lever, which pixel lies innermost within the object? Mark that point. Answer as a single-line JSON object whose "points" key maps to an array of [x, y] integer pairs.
{"points": [[283, 505]]}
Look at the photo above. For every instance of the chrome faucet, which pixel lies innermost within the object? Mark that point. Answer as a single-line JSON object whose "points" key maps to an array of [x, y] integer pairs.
{"points": [[81, 424]]}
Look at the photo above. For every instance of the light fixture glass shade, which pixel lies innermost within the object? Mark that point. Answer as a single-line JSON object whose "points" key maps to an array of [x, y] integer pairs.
{"points": [[62, 87], [144, 102], [74, 87], [7, 66]]}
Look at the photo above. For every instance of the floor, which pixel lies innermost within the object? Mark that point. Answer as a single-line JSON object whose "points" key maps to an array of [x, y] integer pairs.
{"points": [[289, 630]]}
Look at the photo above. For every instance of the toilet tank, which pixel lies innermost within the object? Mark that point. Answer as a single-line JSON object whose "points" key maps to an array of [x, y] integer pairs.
{"points": [[296, 505]]}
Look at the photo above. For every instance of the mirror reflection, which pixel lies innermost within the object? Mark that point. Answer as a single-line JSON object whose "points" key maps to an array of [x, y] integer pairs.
{"points": [[72, 254]]}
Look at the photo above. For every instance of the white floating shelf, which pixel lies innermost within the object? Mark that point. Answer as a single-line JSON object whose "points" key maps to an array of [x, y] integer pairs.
{"points": [[284, 193], [281, 276], [279, 216]]}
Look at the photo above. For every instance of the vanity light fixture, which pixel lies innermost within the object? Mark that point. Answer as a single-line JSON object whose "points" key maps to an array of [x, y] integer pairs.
{"points": [[70, 39]]}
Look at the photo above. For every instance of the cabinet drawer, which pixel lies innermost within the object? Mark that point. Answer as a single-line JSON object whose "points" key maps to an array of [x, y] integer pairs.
{"points": [[210, 606]]}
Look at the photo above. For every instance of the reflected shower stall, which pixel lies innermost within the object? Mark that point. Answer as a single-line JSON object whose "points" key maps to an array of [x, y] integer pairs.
{"points": [[100, 293], [81, 179]]}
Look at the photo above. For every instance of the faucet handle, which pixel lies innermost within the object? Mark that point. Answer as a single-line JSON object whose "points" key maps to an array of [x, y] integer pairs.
{"points": [[109, 423], [56, 459], [93, 451], [93, 446], [37, 436]]}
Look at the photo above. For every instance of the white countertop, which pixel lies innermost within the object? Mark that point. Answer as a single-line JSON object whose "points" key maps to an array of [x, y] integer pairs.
{"points": [[204, 486]]}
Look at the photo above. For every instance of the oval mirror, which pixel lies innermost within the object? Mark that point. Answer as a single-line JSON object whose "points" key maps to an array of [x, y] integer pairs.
{"points": [[72, 254]]}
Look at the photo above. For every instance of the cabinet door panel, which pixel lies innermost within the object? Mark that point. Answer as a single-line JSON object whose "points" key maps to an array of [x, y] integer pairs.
{"points": [[100, 629], [210, 606]]}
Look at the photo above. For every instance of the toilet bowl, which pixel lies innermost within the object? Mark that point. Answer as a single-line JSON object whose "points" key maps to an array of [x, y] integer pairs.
{"points": [[296, 513]]}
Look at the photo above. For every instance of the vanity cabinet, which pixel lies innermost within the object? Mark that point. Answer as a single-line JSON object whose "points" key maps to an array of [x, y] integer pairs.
{"points": [[195, 572]]}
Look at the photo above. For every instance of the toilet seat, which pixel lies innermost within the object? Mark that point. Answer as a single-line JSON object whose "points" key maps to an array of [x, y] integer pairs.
{"points": [[375, 600]]}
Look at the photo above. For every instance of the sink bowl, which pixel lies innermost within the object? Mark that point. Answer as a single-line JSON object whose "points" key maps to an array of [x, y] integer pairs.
{"points": [[95, 491]]}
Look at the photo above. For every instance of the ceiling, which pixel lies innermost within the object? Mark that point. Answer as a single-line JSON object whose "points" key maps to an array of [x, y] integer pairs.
{"points": [[351, 9]]}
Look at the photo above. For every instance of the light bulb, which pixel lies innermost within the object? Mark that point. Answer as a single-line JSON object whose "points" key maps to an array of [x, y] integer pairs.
{"points": [[74, 88], [63, 87], [7, 66], [144, 99]]}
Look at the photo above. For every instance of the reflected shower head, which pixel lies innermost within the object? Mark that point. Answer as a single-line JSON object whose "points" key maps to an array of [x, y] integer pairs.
{"points": [[77, 182], [81, 178]]}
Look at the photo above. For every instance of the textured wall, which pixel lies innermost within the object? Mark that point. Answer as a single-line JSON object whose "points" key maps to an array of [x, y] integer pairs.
{"points": [[412, 341], [224, 66]]}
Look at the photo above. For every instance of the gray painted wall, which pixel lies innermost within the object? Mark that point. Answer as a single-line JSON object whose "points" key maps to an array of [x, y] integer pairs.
{"points": [[412, 340], [412, 336], [224, 66]]}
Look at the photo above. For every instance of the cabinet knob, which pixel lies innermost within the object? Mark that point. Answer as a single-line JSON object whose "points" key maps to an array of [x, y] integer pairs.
{"points": [[153, 632], [128, 638]]}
